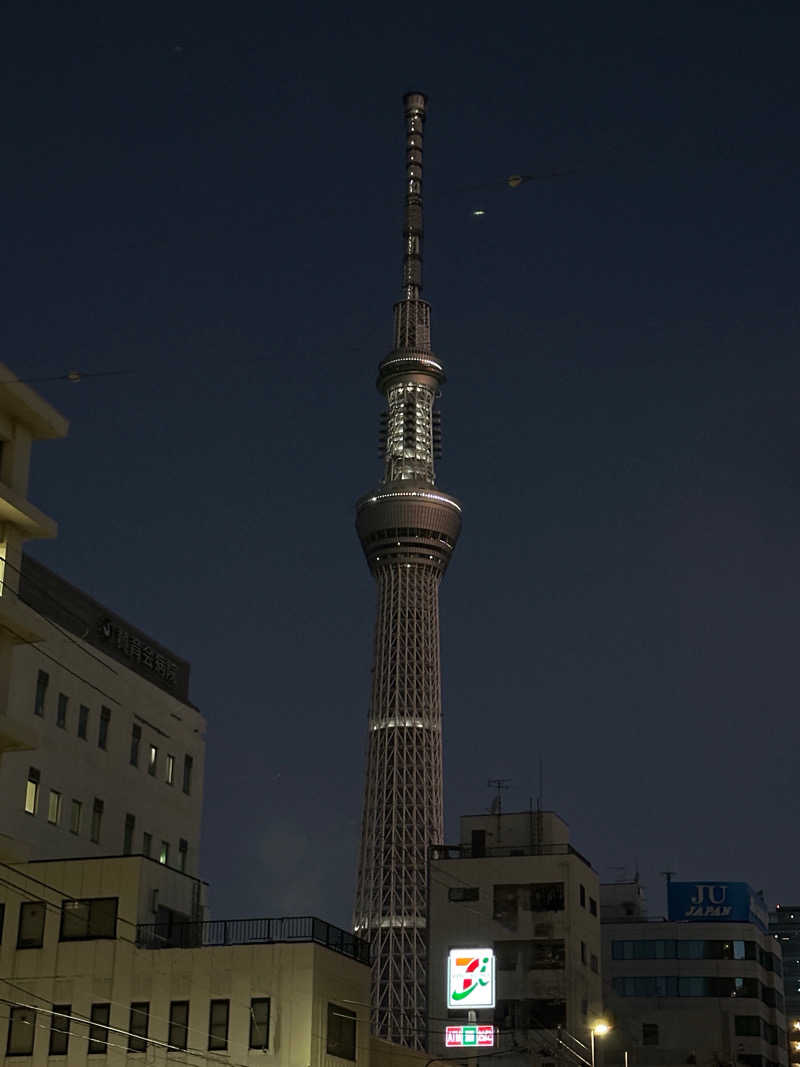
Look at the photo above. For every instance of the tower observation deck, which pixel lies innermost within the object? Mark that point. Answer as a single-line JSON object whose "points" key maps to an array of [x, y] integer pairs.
{"points": [[408, 530]]}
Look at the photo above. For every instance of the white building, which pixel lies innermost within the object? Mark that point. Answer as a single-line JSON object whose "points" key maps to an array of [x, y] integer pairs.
{"points": [[515, 884], [101, 752]]}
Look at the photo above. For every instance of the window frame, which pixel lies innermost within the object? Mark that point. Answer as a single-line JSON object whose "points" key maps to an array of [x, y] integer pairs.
{"points": [[58, 798], [218, 1042], [97, 1026], [103, 726], [98, 807], [188, 768], [83, 722], [64, 1012], [138, 1036], [176, 1027], [61, 711], [256, 1024], [136, 739], [27, 907], [25, 1019], [42, 682], [339, 1044], [170, 775], [76, 807], [127, 835], [152, 759], [69, 909], [32, 798]]}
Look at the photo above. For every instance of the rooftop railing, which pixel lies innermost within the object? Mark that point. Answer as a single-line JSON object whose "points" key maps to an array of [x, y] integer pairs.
{"points": [[467, 852], [252, 932]]}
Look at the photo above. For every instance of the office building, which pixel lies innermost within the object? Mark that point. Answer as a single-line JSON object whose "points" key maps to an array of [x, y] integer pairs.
{"points": [[784, 925]]}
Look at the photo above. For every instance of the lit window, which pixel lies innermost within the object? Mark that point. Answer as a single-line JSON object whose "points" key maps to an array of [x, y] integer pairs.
{"points": [[170, 770], [152, 759], [54, 807], [32, 791], [163, 852]]}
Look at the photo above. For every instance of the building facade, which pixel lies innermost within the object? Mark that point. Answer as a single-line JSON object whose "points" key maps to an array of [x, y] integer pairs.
{"points": [[704, 986], [408, 530], [516, 885], [108, 958], [784, 926], [101, 751]]}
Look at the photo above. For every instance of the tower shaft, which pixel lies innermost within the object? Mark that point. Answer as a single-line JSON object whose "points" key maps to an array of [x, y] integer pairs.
{"points": [[408, 530]]}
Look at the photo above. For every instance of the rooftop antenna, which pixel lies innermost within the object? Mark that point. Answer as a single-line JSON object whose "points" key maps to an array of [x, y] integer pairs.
{"points": [[496, 807]]}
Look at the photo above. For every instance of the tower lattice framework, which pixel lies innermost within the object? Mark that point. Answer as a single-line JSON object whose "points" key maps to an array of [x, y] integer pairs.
{"points": [[408, 530]]}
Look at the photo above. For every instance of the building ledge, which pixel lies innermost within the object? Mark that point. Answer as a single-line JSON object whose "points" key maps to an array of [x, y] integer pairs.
{"points": [[17, 736], [19, 511]]}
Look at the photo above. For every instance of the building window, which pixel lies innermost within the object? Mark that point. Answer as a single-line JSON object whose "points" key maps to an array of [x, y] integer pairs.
{"points": [[649, 1033], [583, 952], [461, 893], [170, 770], [59, 1030], [61, 710], [341, 1032], [32, 791], [592, 906], [152, 759], [21, 1030], [188, 763], [98, 1031], [97, 819], [75, 817], [546, 955], [218, 1025], [54, 807], [259, 1023], [42, 680], [136, 737], [506, 955], [163, 852], [593, 963], [127, 840], [178, 1023], [2, 919], [87, 920], [31, 924], [102, 733], [583, 896], [183, 848], [584, 1007], [147, 844], [138, 1026], [748, 1026], [83, 721]]}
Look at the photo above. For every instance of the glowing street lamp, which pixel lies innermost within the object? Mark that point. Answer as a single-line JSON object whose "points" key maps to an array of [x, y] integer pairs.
{"points": [[599, 1028]]}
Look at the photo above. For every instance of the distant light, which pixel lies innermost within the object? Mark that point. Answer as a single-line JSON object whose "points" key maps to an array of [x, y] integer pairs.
{"points": [[479, 211], [601, 1028]]}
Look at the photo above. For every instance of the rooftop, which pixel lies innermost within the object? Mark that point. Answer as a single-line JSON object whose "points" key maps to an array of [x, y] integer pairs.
{"points": [[466, 852]]}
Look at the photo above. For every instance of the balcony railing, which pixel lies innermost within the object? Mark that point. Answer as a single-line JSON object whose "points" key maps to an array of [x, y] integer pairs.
{"points": [[251, 932], [467, 852]]}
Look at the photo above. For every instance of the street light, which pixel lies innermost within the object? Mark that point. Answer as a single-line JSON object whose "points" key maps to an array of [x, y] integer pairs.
{"points": [[600, 1028]]}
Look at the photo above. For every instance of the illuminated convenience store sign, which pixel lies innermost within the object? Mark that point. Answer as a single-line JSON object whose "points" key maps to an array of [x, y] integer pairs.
{"points": [[470, 978], [464, 1036]]}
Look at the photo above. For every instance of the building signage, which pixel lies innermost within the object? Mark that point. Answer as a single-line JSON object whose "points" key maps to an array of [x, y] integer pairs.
{"points": [[463, 1036], [470, 978], [716, 902], [127, 642]]}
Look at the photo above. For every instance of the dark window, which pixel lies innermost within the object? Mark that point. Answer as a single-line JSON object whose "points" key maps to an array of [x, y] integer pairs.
{"points": [[547, 955], [87, 920], [97, 819], [341, 1032], [188, 763], [506, 905], [218, 1025], [147, 843], [183, 850], [748, 1026], [75, 817], [83, 721], [31, 924], [592, 906], [461, 893], [528, 1014], [178, 1023], [749, 1059], [136, 737], [98, 1031], [139, 1022], [59, 1029], [21, 1030], [649, 1033], [583, 952], [102, 733], [547, 896], [127, 840], [593, 963], [61, 710], [259, 1023], [583, 896], [2, 918], [478, 843], [42, 680], [506, 955]]}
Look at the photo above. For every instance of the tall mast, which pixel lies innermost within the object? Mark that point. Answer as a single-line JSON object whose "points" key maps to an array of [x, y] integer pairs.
{"points": [[408, 530]]}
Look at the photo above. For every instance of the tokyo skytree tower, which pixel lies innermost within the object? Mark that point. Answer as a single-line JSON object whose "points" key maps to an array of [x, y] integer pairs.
{"points": [[408, 530]]}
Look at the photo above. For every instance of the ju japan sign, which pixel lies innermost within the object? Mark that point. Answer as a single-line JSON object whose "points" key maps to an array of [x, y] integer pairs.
{"points": [[470, 978], [716, 902], [463, 1036]]}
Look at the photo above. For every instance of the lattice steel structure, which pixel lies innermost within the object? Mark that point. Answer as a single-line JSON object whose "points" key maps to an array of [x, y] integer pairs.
{"points": [[408, 530]]}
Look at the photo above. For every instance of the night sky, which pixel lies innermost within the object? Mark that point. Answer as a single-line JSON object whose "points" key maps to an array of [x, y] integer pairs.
{"points": [[210, 198]]}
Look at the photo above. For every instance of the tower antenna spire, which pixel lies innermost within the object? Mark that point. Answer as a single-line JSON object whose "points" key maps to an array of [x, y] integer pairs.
{"points": [[408, 531]]}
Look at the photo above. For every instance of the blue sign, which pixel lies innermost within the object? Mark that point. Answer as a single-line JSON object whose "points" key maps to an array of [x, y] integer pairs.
{"points": [[733, 902]]}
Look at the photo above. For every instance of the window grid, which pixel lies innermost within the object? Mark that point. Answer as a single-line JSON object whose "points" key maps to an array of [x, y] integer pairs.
{"points": [[98, 1031], [59, 1030]]}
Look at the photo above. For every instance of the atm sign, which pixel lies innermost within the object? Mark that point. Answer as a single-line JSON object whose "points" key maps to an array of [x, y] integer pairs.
{"points": [[463, 1036]]}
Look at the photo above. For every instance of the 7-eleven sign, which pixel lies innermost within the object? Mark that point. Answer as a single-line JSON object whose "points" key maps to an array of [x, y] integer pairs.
{"points": [[470, 978]]}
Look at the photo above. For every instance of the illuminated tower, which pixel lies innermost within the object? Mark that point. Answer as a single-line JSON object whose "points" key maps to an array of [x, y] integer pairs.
{"points": [[408, 530]]}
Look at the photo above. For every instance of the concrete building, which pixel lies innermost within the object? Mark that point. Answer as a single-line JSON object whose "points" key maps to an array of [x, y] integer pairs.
{"points": [[101, 752], [515, 884], [95, 962], [703, 986], [784, 925]]}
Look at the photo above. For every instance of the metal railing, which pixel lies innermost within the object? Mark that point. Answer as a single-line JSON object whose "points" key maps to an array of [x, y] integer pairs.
{"points": [[252, 932], [466, 852]]}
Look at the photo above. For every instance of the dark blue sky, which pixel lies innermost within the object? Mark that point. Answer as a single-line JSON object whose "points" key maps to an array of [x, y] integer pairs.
{"points": [[211, 197]]}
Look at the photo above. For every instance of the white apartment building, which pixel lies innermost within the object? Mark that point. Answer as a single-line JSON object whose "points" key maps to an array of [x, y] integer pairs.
{"points": [[515, 884], [101, 752], [106, 960]]}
